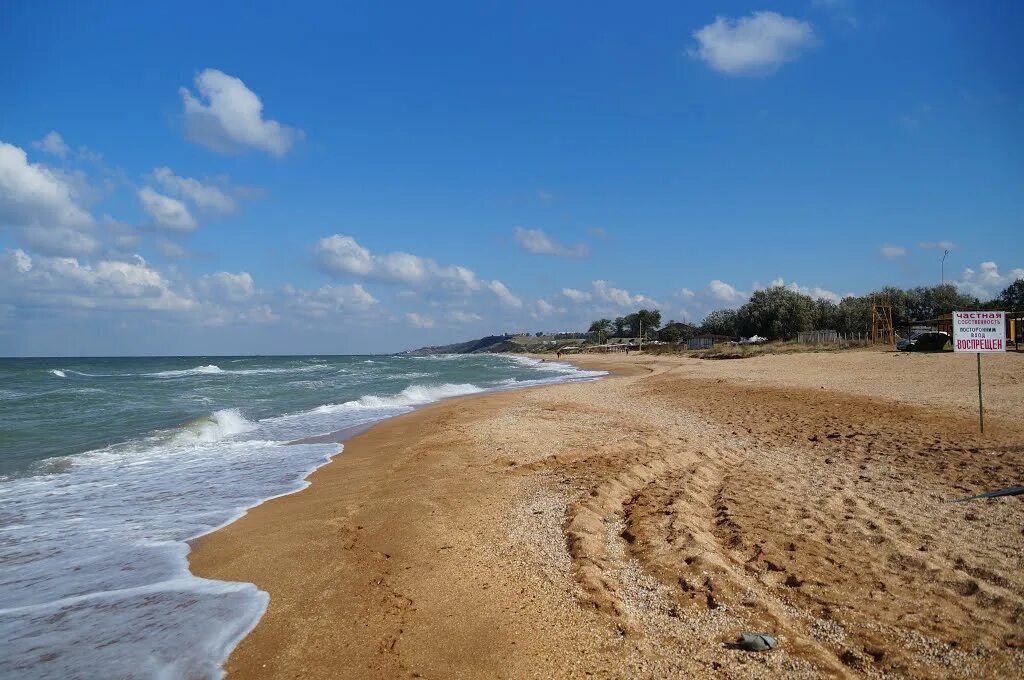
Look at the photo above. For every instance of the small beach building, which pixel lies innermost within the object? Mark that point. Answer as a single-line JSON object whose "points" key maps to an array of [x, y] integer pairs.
{"points": [[706, 341]]}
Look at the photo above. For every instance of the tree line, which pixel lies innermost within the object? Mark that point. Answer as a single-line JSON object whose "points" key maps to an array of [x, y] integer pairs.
{"points": [[781, 313]]}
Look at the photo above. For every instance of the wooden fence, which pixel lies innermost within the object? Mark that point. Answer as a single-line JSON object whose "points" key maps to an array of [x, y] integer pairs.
{"points": [[832, 337]]}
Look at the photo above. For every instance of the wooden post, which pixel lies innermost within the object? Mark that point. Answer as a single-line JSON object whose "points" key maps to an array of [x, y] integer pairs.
{"points": [[981, 404]]}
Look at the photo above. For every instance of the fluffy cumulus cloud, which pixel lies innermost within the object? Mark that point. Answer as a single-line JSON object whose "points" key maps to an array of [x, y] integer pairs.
{"points": [[227, 287], [504, 294], [986, 282], [107, 284], [753, 45], [204, 196], [52, 143], [330, 300], [724, 292], [460, 316], [166, 212], [342, 256], [226, 116], [604, 295], [892, 252], [59, 241], [419, 321], [536, 242], [543, 308], [34, 195], [814, 291]]}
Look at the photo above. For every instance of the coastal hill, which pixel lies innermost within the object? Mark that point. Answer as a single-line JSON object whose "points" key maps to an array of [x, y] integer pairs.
{"points": [[495, 344]]}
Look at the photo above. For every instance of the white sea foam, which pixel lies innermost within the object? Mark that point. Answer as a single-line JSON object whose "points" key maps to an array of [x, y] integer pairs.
{"points": [[414, 395], [198, 370], [93, 559], [218, 425], [59, 373]]}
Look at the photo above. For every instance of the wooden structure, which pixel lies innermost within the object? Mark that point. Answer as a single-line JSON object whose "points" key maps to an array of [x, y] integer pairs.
{"points": [[882, 329]]}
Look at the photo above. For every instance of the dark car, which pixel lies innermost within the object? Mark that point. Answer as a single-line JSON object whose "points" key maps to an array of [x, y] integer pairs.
{"points": [[924, 342]]}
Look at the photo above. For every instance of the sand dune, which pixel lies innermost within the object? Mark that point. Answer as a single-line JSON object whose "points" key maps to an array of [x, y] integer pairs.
{"points": [[631, 527]]}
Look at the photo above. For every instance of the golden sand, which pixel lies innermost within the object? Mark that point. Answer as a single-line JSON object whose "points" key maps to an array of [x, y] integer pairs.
{"points": [[632, 526]]}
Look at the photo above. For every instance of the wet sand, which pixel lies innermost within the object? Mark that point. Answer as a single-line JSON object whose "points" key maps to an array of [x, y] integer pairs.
{"points": [[632, 526]]}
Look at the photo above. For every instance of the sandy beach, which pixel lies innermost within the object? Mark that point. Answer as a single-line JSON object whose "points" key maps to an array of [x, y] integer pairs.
{"points": [[634, 525]]}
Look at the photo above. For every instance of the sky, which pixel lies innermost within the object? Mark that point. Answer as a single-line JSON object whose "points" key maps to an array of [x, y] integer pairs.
{"points": [[224, 178]]}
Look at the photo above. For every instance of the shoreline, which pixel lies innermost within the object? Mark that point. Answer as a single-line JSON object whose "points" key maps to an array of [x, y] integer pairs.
{"points": [[361, 586]]}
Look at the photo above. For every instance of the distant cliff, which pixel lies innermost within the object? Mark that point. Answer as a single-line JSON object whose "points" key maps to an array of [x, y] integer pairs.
{"points": [[494, 344], [489, 344]]}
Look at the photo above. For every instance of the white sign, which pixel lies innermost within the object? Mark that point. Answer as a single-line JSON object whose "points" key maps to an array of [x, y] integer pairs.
{"points": [[979, 331]]}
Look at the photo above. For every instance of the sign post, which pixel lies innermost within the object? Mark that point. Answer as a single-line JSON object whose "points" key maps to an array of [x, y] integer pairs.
{"points": [[981, 333]]}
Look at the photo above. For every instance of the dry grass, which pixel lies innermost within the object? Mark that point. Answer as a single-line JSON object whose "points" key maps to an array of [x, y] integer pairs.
{"points": [[734, 351]]}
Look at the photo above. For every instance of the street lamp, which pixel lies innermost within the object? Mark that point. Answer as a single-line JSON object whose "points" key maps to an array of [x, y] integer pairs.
{"points": [[944, 254]]}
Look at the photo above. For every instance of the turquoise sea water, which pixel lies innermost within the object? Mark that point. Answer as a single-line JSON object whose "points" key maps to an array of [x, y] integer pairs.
{"points": [[107, 467]]}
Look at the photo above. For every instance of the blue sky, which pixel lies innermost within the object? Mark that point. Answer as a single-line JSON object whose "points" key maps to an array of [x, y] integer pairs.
{"points": [[340, 177]]}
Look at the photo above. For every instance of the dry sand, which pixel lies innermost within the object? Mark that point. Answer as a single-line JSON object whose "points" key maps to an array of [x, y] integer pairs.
{"points": [[633, 526]]}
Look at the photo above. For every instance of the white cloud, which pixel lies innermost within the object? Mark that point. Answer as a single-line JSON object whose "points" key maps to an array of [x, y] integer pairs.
{"points": [[331, 300], [52, 143], [227, 116], [721, 290], [340, 255], [938, 245], [545, 196], [107, 284], [814, 291], [535, 241], [987, 282], [893, 251], [504, 294], [59, 241], [685, 294], [417, 321], [227, 287], [753, 45], [167, 212], [203, 196], [576, 295], [34, 195], [460, 316], [545, 308], [603, 295], [169, 249]]}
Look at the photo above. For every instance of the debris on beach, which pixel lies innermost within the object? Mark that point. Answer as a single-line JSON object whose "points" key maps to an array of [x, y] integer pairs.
{"points": [[1008, 491], [755, 642]]}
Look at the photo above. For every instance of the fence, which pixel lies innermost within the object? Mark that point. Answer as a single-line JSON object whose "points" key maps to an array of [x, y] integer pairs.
{"points": [[831, 337]]}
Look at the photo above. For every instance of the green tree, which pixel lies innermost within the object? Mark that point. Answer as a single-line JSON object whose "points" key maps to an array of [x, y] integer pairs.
{"points": [[1012, 297], [777, 313], [619, 325], [853, 315], [929, 302], [721, 322], [670, 333], [825, 315], [601, 329]]}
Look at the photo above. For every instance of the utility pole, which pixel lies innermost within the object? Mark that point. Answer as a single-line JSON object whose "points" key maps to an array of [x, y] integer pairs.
{"points": [[944, 254], [641, 338]]}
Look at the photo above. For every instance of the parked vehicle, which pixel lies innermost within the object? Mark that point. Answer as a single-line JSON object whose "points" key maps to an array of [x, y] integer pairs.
{"points": [[933, 341]]}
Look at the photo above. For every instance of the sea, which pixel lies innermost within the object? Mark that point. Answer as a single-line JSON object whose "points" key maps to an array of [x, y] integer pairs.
{"points": [[108, 466]]}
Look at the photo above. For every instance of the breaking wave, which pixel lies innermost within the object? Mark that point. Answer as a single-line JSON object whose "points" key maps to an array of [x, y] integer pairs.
{"points": [[198, 370], [214, 427], [414, 395]]}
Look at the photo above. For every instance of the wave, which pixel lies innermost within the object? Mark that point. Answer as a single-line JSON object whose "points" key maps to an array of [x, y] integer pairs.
{"points": [[59, 373], [215, 426], [198, 370], [414, 395]]}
